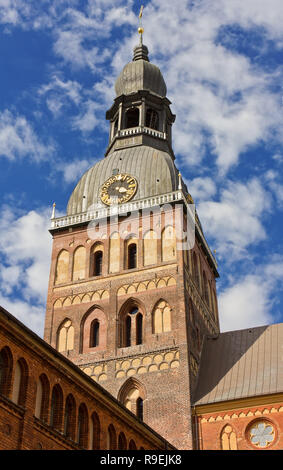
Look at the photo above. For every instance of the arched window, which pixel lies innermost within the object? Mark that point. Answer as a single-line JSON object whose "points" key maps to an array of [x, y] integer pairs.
{"points": [[151, 119], [111, 438], [132, 445], [56, 409], [161, 317], [131, 332], [168, 243], [96, 264], [94, 334], [6, 367], [62, 267], [95, 431], [70, 417], [42, 398], [228, 439], [115, 127], [79, 263], [132, 396], [132, 256], [83, 426], [122, 442], [150, 248], [132, 118], [93, 331], [66, 333], [20, 382]]}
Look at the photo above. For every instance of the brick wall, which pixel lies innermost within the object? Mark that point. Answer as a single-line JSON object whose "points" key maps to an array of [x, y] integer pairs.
{"points": [[251, 427], [21, 429]]}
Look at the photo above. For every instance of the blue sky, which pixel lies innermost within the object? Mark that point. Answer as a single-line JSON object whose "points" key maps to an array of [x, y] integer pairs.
{"points": [[222, 63]]}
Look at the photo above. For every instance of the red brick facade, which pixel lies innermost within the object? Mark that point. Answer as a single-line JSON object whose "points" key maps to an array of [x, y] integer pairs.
{"points": [[46, 402], [241, 426]]}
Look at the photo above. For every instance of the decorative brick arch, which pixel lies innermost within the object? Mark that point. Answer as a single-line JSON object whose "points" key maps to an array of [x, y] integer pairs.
{"points": [[228, 438], [65, 336], [161, 317], [132, 395]]}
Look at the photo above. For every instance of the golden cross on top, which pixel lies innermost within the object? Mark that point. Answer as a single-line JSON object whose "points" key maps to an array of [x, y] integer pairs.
{"points": [[140, 29]]}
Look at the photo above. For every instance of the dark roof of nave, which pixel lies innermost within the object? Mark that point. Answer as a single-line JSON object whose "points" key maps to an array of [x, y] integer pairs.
{"points": [[241, 364]]}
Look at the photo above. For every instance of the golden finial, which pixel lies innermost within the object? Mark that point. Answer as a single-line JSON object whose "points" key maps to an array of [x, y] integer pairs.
{"points": [[140, 28]]}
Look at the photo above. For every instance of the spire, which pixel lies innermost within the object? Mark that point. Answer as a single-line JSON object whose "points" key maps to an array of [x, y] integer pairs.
{"points": [[141, 51], [140, 28]]}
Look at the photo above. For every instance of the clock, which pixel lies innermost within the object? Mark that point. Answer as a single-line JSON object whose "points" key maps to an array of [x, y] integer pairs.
{"points": [[118, 189]]}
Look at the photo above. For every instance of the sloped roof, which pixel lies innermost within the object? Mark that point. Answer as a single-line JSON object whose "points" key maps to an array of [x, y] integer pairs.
{"points": [[241, 364]]}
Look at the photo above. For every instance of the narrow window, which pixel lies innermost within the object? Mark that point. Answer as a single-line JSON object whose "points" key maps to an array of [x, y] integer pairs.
{"points": [[139, 328], [115, 126], [140, 408], [56, 408], [83, 426], [151, 119], [42, 398], [69, 418], [95, 423], [132, 117], [128, 330], [132, 445], [6, 366], [94, 334], [98, 257], [122, 443], [20, 383], [132, 256], [111, 438], [17, 383]]}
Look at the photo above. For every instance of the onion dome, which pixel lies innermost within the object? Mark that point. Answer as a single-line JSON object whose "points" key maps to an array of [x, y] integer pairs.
{"points": [[140, 74]]}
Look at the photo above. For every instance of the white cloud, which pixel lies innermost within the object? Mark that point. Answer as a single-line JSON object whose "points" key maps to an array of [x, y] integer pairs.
{"points": [[244, 305], [25, 249], [60, 93], [72, 171], [18, 139], [87, 120], [237, 220], [251, 300], [201, 188]]}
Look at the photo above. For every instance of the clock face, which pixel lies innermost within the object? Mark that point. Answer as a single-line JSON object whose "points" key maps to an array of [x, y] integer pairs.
{"points": [[118, 189]]}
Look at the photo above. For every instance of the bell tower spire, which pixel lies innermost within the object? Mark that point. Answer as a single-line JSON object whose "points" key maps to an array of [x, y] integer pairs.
{"points": [[140, 114]]}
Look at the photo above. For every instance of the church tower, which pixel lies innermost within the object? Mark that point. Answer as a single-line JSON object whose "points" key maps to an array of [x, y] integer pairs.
{"points": [[132, 282]]}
